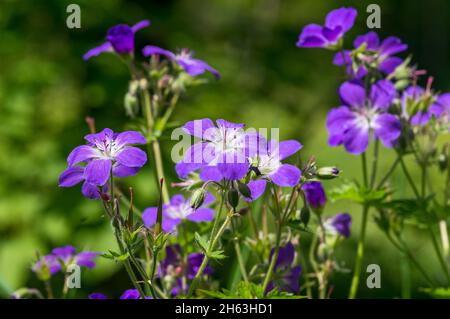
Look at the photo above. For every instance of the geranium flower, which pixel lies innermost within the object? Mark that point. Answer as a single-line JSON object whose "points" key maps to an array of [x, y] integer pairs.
{"points": [[171, 268], [127, 294], [97, 295], [315, 194], [286, 277], [337, 23], [62, 257], [75, 175], [420, 105], [375, 55], [339, 224], [184, 58], [105, 152], [351, 123], [223, 152], [119, 39], [268, 166], [177, 210]]}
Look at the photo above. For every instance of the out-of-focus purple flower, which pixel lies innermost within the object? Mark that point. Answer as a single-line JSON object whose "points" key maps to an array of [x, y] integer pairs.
{"points": [[97, 295], [184, 58], [315, 194], [119, 39], [172, 267], [47, 264], [376, 55], [268, 166], [105, 152], [194, 262], [130, 294], [286, 277], [420, 105], [337, 23], [177, 210], [62, 257], [223, 152], [351, 123], [339, 224]]}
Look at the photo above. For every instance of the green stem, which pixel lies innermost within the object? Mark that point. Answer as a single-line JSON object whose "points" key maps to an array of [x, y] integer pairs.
{"points": [[359, 255], [364, 169], [211, 247], [388, 174], [430, 228], [240, 261], [374, 163], [49, 290], [277, 242], [406, 276], [408, 176], [155, 147]]}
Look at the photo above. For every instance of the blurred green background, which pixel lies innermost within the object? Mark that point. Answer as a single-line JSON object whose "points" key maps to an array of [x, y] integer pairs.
{"points": [[46, 91]]}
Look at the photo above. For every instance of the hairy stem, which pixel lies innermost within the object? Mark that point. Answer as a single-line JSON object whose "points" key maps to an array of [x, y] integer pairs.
{"points": [[359, 255]]}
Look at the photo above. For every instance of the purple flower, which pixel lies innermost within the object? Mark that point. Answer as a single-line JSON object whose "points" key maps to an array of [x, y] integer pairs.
{"points": [[337, 23], [286, 277], [119, 39], [184, 59], [375, 55], [177, 210], [130, 294], [339, 224], [63, 257], [268, 166], [420, 105], [105, 152], [315, 194], [350, 124], [172, 266], [97, 295], [223, 152], [194, 262], [47, 265]]}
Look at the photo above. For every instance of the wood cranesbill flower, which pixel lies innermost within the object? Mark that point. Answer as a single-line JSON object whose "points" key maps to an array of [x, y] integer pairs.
{"points": [[339, 224], [177, 210], [119, 39], [419, 106], [223, 152], [315, 194], [127, 294], [369, 53], [351, 123], [268, 166], [62, 257], [286, 276], [337, 23], [184, 59], [105, 152], [172, 268]]}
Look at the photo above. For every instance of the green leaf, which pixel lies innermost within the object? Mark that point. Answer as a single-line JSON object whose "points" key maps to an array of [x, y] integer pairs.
{"points": [[218, 254], [202, 242], [351, 191], [250, 291]]}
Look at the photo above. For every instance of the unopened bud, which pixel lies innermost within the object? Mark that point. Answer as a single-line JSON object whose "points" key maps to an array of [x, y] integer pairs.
{"points": [[328, 172], [305, 214], [233, 197], [198, 197], [244, 190]]}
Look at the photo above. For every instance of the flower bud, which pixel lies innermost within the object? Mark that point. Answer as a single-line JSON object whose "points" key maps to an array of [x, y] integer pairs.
{"points": [[327, 172], [244, 190], [198, 197], [305, 214], [233, 197]]}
